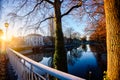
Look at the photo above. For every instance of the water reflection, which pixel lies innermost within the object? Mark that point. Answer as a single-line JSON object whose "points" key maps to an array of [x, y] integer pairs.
{"points": [[101, 56], [43, 58], [83, 61], [84, 64], [39, 56], [73, 56], [84, 47]]}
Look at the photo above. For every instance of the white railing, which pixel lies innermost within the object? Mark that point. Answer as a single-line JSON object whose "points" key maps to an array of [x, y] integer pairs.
{"points": [[27, 69]]}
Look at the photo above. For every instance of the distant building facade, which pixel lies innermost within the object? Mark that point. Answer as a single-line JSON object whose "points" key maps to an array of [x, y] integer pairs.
{"points": [[34, 40], [47, 40]]}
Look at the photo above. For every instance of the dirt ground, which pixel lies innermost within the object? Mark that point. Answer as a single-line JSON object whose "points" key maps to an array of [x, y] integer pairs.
{"points": [[3, 62]]}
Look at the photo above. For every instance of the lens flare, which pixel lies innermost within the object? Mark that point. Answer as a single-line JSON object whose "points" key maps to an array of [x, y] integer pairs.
{"points": [[3, 38]]}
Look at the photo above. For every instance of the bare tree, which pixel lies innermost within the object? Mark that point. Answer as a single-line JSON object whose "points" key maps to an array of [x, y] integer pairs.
{"points": [[68, 32], [40, 10], [76, 35]]}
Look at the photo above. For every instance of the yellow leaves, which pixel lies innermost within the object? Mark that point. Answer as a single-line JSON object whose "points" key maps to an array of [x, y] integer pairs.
{"points": [[80, 3]]}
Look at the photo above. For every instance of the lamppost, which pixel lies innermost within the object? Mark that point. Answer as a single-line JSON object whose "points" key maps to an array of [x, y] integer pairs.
{"points": [[6, 25]]}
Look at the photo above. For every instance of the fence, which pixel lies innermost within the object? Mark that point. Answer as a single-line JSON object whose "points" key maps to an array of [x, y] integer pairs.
{"points": [[28, 69]]}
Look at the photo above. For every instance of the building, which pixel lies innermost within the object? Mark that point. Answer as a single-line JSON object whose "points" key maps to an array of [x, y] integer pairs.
{"points": [[48, 40], [34, 40]]}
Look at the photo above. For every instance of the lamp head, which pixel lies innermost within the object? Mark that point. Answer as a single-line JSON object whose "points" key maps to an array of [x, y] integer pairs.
{"points": [[6, 25]]}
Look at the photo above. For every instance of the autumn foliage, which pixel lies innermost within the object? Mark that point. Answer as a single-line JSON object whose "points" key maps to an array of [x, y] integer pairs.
{"points": [[100, 33], [96, 23]]}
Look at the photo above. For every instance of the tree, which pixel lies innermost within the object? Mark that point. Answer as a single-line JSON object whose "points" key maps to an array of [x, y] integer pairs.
{"points": [[51, 28], [96, 22], [112, 13], [99, 34], [68, 32], [96, 25], [76, 35], [60, 53], [84, 39], [57, 6]]}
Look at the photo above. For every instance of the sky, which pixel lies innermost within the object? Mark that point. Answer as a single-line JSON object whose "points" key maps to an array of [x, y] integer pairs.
{"points": [[68, 21]]}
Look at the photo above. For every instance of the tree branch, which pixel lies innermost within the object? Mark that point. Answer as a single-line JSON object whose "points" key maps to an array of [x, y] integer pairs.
{"points": [[37, 5], [49, 2], [34, 8], [23, 5], [76, 6], [45, 20]]}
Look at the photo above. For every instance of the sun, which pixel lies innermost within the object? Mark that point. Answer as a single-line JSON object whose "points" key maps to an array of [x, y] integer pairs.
{"points": [[3, 37]]}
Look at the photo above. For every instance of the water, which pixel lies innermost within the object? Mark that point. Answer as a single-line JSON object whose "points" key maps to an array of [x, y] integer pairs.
{"points": [[83, 62]]}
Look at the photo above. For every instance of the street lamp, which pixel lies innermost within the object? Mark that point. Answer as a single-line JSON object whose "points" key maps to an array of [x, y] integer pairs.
{"points": [[6, 25]]}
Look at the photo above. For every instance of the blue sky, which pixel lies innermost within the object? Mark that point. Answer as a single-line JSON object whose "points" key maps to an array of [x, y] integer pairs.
{"points": [[68, 21], [77, 24]]}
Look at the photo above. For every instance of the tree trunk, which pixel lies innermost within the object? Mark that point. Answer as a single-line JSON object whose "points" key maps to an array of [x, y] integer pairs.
{"points": [[60, 58], [112, 13]]}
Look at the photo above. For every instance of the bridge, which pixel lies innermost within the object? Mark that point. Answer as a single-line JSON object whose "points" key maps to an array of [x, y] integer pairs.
{"points": [[28, 69]]}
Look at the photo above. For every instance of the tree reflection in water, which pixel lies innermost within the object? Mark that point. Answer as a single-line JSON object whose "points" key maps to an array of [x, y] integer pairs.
{"points": [[84, 47], [100, 54], [74, 55], [86, 63]]}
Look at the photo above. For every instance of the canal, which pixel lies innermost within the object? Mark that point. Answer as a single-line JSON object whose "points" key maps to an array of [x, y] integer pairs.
{"points": [[86, 61]]}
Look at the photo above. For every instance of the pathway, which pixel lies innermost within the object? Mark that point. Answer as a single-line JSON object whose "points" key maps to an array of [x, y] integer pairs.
{"points": [[2, 67], [6, 70]]}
